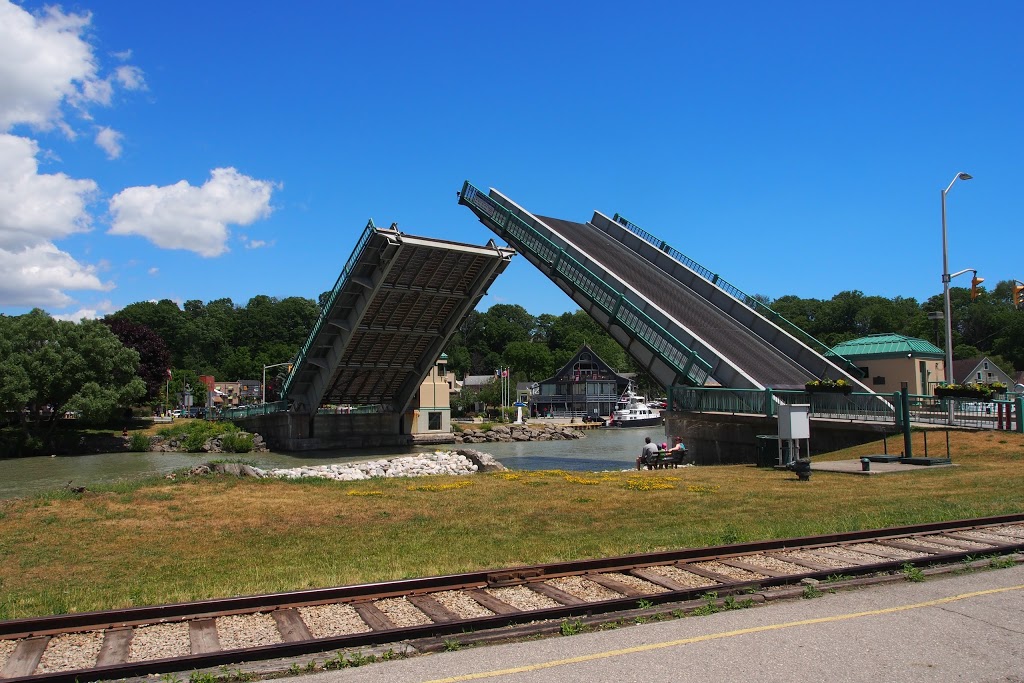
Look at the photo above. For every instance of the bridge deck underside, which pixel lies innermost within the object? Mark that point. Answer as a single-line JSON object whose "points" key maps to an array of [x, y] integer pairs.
{"points": [[391, 319], [744, 349]]}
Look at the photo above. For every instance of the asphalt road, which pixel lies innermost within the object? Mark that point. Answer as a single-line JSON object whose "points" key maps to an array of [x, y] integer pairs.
{"points": [[967, 627]]}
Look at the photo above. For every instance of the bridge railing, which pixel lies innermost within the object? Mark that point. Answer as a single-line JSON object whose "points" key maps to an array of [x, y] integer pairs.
{"points": [[736, 293], [241, 412], [369, 409], [325, 312], [863, 407], [625, 313]]}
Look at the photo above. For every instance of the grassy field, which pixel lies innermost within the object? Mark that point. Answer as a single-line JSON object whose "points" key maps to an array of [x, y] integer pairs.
{"points": [[187, 539]]}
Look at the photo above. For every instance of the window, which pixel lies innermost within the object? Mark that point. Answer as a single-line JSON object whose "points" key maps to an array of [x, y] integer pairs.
{"points": [[877, 380], [979, 376], [986, 365], [434, 420]]}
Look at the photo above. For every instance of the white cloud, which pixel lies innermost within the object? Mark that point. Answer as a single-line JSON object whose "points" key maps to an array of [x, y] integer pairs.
{"points": [[259, 244], [182, 216], [36, 208], [109, 140], [102, 309], [153, 271], [130, 77], [37, 276], [43, 62]]}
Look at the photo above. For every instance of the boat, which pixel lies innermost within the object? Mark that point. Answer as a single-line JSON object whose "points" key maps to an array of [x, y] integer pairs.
{"points": [[632, 410]]}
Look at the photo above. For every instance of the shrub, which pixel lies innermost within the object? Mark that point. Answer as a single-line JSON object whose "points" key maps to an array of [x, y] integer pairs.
{"points": [[139, 443], [236, 442]]}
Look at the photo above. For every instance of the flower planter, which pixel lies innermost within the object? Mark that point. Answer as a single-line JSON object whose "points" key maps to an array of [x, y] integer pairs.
{"points": [[828, 390], [942, 392]]}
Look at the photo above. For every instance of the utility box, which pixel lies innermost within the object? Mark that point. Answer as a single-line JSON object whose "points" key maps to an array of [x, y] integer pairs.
{"points": [[794, 425], [794, 421]]}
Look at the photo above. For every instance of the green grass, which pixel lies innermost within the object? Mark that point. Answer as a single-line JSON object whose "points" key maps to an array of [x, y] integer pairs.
{"points": [[160, 541]]}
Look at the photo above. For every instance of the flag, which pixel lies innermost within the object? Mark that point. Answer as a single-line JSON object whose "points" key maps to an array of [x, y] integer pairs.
{"points": [[504, 373], [170, 375]]}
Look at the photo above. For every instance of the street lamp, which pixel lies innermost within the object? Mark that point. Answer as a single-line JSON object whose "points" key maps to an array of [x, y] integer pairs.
{"points": [[263, 386], [946, 279]]}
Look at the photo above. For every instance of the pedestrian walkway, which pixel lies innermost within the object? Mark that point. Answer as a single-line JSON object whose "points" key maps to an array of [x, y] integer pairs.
{"points": [[949, 627]]}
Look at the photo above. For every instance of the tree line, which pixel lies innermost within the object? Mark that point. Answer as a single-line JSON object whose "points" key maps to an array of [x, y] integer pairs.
{"points": [[98, 367]]}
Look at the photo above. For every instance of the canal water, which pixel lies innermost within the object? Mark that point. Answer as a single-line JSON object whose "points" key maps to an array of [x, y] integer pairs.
{"points": [[601, 449]]}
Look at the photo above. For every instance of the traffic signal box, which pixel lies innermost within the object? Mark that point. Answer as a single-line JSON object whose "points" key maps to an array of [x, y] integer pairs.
{"points": [[975, 281], [1018, 295]]}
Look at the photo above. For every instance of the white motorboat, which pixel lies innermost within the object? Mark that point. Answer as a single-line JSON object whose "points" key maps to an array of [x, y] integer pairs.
{"points": [[632, 410]]}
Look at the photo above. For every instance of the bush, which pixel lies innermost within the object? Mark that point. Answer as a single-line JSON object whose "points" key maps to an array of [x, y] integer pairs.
{"points": [[139, 443], [236, 442]]}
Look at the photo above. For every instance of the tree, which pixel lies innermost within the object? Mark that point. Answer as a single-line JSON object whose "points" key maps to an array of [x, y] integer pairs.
{"points": [[529, 361], [154, 357], [65, 366], [572, 330]]}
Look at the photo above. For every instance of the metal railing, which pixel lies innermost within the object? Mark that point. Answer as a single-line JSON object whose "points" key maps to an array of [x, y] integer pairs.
{"points": [[855, 406], [242, 412], [736, 292], [329, 304], [625, 313], [369, 409], [575, 398]]}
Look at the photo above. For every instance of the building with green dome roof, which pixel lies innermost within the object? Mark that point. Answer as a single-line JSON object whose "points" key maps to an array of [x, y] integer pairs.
{"points": [[888, 360]]}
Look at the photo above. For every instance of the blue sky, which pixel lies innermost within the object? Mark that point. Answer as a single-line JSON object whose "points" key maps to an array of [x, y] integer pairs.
{"points": [[195, 150]]}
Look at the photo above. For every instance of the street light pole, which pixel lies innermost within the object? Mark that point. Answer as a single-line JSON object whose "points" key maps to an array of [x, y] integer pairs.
{"points": [[946, 280]]}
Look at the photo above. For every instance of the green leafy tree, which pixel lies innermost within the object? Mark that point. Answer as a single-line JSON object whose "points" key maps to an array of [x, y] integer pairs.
{"points": [[65, 366], [529, 361]]}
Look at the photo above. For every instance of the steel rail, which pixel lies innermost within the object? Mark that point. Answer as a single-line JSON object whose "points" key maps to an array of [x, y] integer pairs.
{"points": [[47, 626]]}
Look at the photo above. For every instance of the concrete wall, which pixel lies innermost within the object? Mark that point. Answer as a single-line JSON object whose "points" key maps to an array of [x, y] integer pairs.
{"points": [[714, 439], [289, 432]]}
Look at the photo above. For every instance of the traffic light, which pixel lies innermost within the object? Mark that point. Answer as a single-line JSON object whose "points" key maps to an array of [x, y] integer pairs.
{"points": [[975, 281], [1018, 295]]}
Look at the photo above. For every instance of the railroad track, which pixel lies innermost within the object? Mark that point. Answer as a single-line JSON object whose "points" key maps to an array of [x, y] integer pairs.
{"points": [[149, 640]]}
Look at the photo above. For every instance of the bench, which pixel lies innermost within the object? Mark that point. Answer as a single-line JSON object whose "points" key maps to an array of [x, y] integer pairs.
{"points": [[670, 459], [663, 460]]}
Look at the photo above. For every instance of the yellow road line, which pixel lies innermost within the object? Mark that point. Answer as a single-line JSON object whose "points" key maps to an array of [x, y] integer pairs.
{"points": [[717, 636]]}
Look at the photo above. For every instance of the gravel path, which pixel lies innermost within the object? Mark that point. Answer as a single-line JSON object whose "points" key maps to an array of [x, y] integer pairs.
{"points": [[325, 621], [247, 630], [71, 651], [159, 640]]}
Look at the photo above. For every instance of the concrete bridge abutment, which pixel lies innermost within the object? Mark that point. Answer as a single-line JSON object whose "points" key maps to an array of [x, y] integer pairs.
{"points": [[296, 432]]}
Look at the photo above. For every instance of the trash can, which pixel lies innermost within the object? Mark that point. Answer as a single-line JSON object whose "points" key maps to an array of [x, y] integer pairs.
{"points": [[768, 450]]}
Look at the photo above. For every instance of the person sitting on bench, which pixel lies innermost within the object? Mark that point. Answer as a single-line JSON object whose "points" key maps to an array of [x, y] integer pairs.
{"points": [[648, 456]]}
